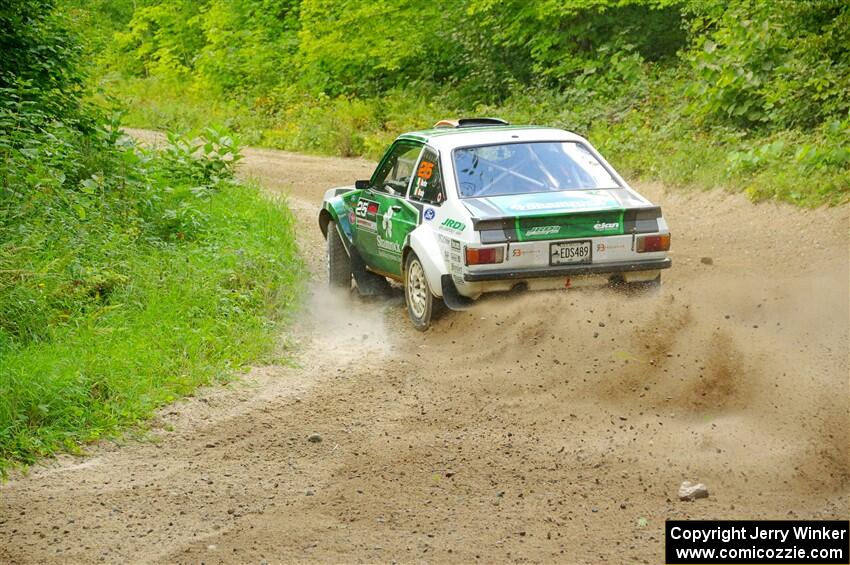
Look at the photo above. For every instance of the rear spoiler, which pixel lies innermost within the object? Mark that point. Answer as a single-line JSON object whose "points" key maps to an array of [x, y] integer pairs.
{"points": [[504, 230]]}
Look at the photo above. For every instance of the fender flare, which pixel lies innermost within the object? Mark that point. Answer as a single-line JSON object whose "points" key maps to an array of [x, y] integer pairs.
{"points": [[423, 242], [325, 218], [333, 207], [332, 211]]}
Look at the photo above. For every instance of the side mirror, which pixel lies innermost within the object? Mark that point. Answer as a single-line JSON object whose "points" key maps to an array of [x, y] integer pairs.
{"points": [[361, 184]]}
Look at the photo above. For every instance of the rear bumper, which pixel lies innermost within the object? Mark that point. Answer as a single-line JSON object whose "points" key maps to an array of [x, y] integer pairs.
{"points": [[569, 270]]}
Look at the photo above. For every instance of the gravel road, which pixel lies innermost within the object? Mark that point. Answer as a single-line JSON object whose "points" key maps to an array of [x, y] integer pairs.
{"points": [[551, 427]]}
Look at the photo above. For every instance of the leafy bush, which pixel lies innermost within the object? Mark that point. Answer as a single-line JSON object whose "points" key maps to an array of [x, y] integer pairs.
{"points": [[163, 39], [127, 276], [131, 290], [783, 63]]}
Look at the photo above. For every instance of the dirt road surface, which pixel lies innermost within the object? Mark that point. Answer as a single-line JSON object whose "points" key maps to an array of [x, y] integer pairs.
{"points": [[551, 427]]}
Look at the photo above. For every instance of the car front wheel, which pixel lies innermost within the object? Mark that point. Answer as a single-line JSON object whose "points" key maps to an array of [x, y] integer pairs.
{"points": [[417, 293], [339, 264]]}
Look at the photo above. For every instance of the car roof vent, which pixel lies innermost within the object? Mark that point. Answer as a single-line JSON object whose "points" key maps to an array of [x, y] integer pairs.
{"points": [[471, 123]]}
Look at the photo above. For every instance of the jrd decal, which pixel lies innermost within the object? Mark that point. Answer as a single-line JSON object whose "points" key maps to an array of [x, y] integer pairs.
{"points": [[453, 225]]}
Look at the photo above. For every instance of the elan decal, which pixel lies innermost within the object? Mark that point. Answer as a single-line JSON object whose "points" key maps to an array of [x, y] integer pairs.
{"points": [[603, 226]]}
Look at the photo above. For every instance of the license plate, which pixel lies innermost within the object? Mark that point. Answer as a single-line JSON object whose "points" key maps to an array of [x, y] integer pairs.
{"points": [[570, 252]]}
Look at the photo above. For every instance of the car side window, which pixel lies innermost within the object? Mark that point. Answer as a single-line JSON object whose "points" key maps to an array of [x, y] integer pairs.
{"points": [[394, 174], [428, 183]]}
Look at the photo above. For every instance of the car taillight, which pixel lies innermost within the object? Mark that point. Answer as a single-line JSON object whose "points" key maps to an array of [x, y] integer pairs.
{"points": [[649, 243], [485, 255]]}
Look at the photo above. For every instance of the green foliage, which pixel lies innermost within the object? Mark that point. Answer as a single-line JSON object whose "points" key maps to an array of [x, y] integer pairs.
{"points": [[153, 275], [248, 45], [37, 50], [785, 63], [127, 276], [162, 39], [364, 47], [567, 41], [757, 85], [96, 21]]}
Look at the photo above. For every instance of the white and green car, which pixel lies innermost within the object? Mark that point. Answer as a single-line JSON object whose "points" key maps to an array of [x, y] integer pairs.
{"points": [[477, 206]]}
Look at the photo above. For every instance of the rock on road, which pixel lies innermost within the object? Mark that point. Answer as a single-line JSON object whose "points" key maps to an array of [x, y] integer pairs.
{"points": [[550, 427]]}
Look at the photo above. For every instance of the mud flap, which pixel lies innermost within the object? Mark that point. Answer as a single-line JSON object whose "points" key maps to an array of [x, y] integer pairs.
{"points": [[368, 284], [451, 297]]}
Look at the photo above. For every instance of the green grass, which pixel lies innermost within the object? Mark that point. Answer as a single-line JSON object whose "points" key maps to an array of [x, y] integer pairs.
{"points": [[647, 136], [131, 324]]}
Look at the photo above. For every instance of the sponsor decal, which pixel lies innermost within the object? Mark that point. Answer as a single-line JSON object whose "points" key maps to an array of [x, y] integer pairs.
{"points": [[603, 226], [366, 208], [387, 223], [547, 205], [429, 214], [419, 187], [367, 225], [543, 230], [517, 252], [453, 225], [388, 245], [581, 199], [603, 247], [453, 256], [426, 169]]}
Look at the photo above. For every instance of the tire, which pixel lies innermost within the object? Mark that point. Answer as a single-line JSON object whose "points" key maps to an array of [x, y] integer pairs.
{"points": [[418, 297], [338, 261]]}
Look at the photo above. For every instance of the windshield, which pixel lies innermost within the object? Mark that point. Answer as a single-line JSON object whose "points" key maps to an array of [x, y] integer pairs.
{"points": [[526, 168]]}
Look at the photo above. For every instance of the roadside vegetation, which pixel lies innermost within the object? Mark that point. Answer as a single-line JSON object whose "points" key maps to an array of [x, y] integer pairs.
{"points": [[741, 94], [128, 276]]}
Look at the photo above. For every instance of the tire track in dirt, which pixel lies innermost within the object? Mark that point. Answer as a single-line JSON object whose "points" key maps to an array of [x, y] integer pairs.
{"points": [[552, 427]]}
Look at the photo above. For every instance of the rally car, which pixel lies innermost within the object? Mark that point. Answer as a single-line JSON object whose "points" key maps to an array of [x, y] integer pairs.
{"points": [[477, 205]]}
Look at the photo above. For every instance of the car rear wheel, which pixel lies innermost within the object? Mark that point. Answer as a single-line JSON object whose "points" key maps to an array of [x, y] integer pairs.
{"points": [[417, 293], [338, 261]]}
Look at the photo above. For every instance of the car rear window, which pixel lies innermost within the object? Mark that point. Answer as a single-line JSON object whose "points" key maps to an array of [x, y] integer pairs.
{"points": [[526, 168]]}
